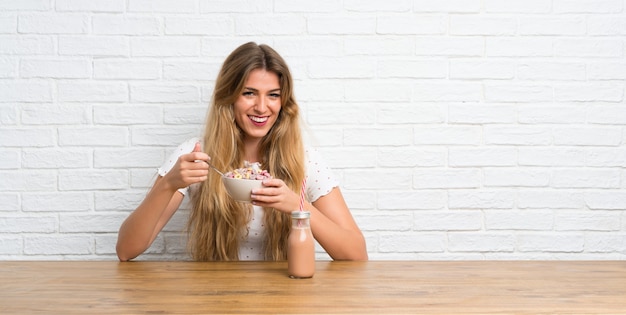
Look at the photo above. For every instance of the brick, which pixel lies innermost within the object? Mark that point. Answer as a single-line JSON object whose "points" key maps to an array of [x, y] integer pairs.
{"points": [[30, 5], [114, 114], [447, 6], [25, 91], [550, 242], [569, 71], [450, 91], [8, 24], [482, 25], [481, 199], [164, 6], [376, 6], [375, 179], [278, 25], [92, 92], [446, 178], [552, 156], [58, 245], [337, 113], [349, 157], [127, 158], [589, 92], [603, 243], [91, 6], [552, 114], [126, 69], [606, 25], [412, 242], [449, 46], [379, 46], [412, 24], [55, 158], [568, 26], [523, 135], [516, 6], [9, 159], [482, 156], [586, 178], [585, 6], [11, 244], [28, 224], [409, 157], [8, 67], [411, 199], [184, 115], [55, 68], [27, 137], [42, 180], [337, 68], [105, 244], [411, 68], [93, 179], [284, 6], [190, 70], [214, 26], [9, 202], [57, 202], [527, 93], [587, 136], [477, 113], [516, 177], [377, 136], [605, 200], [53, 24], [518, 46], [588, 48], [93, 136], [91, 223], [341, 25], [488, 69], [481, 242], [363, 91], [607, 157], [552, 199], [162, 137], [607, 71], [587, 221], [448, 221], [529, 220], [93, 45], [126, 25], [44, 114], [26, 45], [160, 93], [452, 135], [397, 221]]}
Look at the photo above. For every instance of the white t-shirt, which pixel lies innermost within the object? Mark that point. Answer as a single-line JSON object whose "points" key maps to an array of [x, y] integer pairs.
{"points": [[320, 180]]}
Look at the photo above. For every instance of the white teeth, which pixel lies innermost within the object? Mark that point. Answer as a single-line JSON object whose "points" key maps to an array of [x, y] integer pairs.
{"points": [[258, 119]]}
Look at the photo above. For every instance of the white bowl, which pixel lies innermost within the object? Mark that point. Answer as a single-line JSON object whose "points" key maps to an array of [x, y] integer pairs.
{"points": [[240, 189]]}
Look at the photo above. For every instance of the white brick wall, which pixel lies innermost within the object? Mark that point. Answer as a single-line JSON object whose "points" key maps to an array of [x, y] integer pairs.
{"points": [[460, 129]]}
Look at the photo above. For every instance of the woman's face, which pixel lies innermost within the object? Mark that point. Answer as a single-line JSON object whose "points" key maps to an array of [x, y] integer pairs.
{"points": [[256, 109]]}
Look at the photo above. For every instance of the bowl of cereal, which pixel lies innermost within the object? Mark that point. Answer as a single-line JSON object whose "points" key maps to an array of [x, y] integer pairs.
{"points": [[240, 182]]}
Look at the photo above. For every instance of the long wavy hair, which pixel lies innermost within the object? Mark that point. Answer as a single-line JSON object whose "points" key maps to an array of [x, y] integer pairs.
{"points": [[217, 223]]}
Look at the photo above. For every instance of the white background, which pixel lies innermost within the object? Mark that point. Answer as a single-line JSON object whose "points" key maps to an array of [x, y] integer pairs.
{"points": [[467, 129]]}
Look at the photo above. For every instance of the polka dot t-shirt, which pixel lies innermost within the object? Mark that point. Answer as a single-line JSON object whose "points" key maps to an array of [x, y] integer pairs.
{"points": [[320, 180]]}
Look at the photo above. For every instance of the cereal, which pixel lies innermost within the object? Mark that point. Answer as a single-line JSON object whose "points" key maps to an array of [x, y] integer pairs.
{"points": [[251, 171]]}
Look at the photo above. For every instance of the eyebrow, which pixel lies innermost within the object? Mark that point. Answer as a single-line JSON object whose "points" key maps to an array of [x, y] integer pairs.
{"points": [[255, 90]]}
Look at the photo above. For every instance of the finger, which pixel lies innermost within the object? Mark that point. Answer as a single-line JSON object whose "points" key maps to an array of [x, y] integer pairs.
{"points": [[197, 147]]}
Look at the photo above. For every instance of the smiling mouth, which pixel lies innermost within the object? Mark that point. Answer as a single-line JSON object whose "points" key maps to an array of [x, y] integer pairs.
{"points": [[259, 119]]}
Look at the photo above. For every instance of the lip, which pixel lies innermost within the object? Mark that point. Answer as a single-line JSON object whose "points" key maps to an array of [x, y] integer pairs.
{"points": [[263, 120]]}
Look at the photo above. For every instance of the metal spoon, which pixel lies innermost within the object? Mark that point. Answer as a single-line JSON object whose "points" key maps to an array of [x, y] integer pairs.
{"points": [[215, 169]]}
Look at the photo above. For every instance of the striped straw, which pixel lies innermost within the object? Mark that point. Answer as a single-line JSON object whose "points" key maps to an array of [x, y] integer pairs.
{"points": [[302, 194]]}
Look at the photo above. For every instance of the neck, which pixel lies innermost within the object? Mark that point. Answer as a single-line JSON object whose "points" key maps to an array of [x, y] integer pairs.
{"points": [[251, 150]]}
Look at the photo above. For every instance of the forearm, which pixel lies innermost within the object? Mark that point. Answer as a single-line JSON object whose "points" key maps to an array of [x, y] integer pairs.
{"points": [[139, 230], [340, 243]]}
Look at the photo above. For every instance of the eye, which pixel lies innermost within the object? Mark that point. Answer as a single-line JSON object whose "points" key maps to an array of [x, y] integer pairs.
{"points": [[248, 93], [274, 96]]}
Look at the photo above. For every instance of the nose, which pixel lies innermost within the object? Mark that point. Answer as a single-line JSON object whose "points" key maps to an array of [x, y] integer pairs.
{"points": [[260, 104]]}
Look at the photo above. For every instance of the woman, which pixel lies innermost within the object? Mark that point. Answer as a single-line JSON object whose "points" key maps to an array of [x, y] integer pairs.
{"points": [[253, 117]]}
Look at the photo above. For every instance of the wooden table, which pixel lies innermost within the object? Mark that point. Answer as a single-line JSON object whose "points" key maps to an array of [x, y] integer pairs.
{"points": [[379, 287]]}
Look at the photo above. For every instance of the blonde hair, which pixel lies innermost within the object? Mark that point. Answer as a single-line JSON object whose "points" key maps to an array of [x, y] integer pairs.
{"points": [[217, 223]]}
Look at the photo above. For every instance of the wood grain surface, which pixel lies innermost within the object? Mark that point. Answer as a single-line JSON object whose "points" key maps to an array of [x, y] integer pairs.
{"points": [[375, 287]]}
